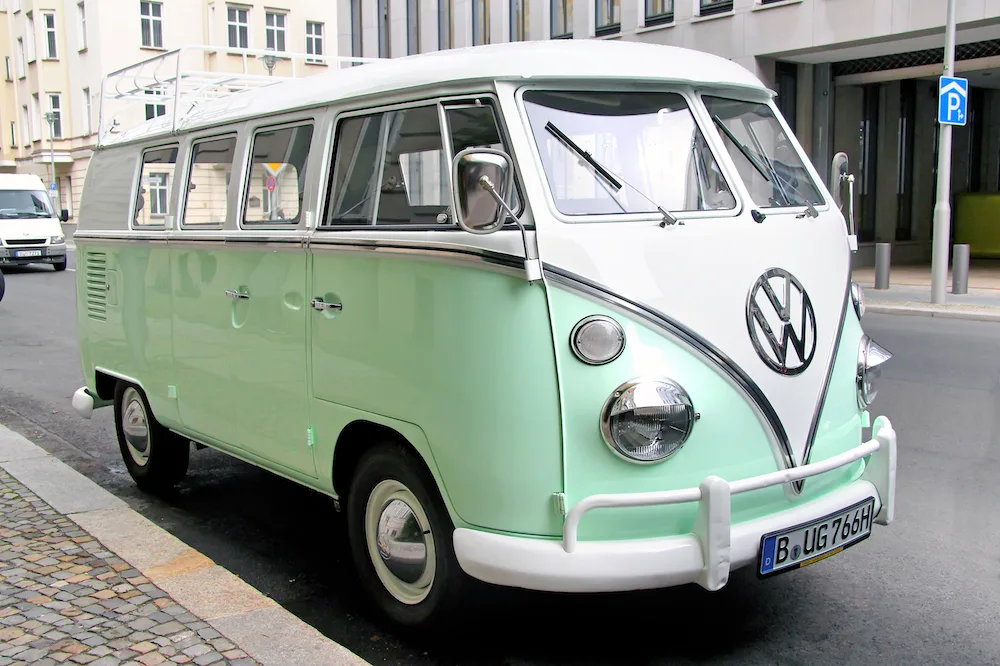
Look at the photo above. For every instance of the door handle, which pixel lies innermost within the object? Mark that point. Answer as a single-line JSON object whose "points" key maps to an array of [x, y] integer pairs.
{"points": [[320, 304], [232, 293]]}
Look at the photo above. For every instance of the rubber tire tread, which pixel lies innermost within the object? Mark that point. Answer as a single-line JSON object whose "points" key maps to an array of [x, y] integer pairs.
{"points": [[168, 453]]}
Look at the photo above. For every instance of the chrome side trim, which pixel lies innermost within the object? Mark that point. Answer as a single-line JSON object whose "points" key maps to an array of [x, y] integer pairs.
{"points": [[814, 427], [693, 340]]}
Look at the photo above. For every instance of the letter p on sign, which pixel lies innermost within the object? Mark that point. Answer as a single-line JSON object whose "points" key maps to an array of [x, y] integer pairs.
{"points": [[953, 100]]}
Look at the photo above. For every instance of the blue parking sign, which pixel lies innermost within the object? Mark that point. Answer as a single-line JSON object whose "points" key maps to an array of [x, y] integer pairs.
{"points": [[953, 100]]}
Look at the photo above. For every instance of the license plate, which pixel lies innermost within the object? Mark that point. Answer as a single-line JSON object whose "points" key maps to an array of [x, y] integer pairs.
{"points": [[28, 253], [800, 546]]}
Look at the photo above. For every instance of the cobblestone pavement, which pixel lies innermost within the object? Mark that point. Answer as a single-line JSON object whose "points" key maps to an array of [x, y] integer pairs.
{"points": [[65, 599]]}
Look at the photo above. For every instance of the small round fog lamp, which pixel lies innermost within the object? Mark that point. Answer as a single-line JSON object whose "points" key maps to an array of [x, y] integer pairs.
{"points": [[597, 340]]}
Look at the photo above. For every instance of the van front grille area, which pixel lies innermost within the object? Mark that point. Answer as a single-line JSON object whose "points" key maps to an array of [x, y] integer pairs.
{"points": [[24, 241], [97, 285]]}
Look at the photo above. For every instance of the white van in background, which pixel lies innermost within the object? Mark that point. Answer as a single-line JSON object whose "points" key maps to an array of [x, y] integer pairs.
{"points": [[30, 231]]}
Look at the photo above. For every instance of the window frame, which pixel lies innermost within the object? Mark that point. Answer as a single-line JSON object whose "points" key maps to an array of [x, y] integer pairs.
{"points": [[479, 8], [137, 182], [567, 14], [443, 104], [22, 59], [151, 19], [51, 36], [245, 25], [612, 28], [278, 32], [412, 27], [81, 15], [215, 134], [88, 111], [13, 134], [316, 144], [519, 20], [313, 39], [445, 19], [661, 18], [58, 110], [715, 7], [357, 29]]}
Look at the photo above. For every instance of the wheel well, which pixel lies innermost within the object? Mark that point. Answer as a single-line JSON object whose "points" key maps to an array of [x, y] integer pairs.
{"points": [[105, 385], [357, 438]]}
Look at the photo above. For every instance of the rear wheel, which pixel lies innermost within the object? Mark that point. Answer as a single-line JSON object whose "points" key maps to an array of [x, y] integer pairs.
{"points": [[155, 457], [3, 285], [401, 539], [60, 265]]}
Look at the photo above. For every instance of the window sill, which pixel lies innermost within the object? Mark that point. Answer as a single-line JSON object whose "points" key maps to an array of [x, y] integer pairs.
{"points": [[760, 6], [50, 59], [712, 17], [662, 25], [612, 30], [317, 63], [158, 49], [610, 35]]}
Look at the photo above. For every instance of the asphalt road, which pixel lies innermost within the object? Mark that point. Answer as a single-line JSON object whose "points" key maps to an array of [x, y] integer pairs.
{"points": [[924, 591]]}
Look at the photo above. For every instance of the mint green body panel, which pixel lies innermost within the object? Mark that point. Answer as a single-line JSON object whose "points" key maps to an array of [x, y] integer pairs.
{"points": [[727, 441], [466, 353]]}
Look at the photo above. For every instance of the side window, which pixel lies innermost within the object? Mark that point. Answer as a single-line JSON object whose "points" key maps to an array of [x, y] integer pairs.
{"points": [[208, 180], [475, 126], [277, 175], [153, 192]]}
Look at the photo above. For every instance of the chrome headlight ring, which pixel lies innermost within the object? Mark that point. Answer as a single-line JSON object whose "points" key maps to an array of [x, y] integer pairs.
{"points": [[646, 421], [871, 356]]}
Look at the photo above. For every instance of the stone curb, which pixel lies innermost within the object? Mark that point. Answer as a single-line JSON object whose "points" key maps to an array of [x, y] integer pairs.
{"points": [[945, 311], [254, 622]]}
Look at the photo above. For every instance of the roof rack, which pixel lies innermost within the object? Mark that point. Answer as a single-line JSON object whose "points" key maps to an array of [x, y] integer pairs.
{"points": [[181, 79]]}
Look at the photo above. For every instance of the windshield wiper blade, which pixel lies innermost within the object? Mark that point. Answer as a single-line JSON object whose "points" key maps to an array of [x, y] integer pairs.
{"points": [[743, 149], [615, 182]]}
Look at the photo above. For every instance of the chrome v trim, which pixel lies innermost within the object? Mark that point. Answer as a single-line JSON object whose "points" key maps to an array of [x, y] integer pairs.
{"points": [[710, 351], [814, 427]]}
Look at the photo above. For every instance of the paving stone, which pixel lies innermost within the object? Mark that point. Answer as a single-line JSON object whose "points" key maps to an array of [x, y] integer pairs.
{"points": [[65, 599]]}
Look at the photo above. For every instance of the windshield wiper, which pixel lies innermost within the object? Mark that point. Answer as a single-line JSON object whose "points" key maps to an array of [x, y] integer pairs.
{"points": [[615, 182], [763, 155], [743, 149]]}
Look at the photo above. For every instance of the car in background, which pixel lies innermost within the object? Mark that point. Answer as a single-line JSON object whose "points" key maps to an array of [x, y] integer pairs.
{"points": [[30, 232]]}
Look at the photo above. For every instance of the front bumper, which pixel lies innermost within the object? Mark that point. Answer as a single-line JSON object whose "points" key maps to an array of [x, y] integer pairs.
{"points": [[50, 254], [706, 556]]}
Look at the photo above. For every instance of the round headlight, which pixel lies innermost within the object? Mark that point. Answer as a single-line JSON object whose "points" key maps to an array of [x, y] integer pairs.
{"points": [[647, 421], [597, 340], [858, 296], [870, 359]]}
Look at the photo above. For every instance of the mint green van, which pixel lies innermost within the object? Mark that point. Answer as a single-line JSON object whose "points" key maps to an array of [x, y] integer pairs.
{"points": [[568, 316]]}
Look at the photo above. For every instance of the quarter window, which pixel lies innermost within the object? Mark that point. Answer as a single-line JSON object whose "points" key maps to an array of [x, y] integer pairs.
{"points": [[278, 167], [206, 201], [151, 23], [152, 194]]}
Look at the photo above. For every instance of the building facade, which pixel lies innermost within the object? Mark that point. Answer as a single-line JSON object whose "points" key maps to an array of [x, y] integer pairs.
{"points": [[56, 53]]}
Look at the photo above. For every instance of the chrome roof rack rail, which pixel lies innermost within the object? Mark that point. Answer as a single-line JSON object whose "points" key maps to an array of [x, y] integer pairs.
{"points": [[180, 79]]}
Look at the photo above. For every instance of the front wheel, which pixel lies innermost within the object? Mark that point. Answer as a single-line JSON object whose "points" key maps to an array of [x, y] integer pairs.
{"points": [[155, 458], [401, 539], [60, 265]]}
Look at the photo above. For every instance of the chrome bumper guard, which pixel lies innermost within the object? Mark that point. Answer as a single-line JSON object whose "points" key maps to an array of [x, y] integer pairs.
{"points": [[713, 522]]}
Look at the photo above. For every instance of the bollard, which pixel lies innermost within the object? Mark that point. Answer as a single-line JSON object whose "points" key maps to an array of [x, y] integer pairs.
{"points": [[882, 252], [960, 269]]}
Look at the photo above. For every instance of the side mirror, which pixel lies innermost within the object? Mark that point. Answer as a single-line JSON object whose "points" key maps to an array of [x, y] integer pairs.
{"points": [[840, 174], [481, 179], [64, 215]]}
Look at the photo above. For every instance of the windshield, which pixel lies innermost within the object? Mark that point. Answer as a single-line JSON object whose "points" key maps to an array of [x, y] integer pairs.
{"points": [[765, 158], [21, 204], [647, 139]]}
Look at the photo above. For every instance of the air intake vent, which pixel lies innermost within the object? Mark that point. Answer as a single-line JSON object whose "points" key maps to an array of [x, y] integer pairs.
{"points": [[97, 285]]}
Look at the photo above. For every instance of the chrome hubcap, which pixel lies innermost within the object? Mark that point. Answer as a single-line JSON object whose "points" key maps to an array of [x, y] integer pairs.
{"points": [[135, 426], [400, 542]]}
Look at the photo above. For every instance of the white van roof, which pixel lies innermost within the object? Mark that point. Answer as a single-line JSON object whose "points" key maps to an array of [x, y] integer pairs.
{"points": [[517, 61], [20, 181]]}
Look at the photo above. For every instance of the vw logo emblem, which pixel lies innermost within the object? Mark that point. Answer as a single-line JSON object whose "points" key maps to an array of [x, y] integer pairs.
{"points": [[780, 315]]}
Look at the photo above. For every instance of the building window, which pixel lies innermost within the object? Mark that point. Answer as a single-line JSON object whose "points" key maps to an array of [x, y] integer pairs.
{"points": [[50, 36], [55, 106], [81, 11], [608, 17], [412, 26], [518, 20], [158, 191], [13, 134], [709, 7], [21, 64], [6, 66], [314, 41], [30, 37], [384, 33], [904, 173], [480, 22], [36, 117], [445, 36], [239, 27], [87, 112], [274, 31], [659, 11], [562, 19], [25, 126], [356, 43], [155, 110], [151, 22]]}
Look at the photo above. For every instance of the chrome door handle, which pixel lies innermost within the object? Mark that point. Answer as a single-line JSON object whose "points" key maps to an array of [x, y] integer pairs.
{"points": [[232, 293], [320, 304]]}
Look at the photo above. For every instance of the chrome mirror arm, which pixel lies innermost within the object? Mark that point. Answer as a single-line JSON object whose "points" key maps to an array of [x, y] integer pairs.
{"points": [[853, 235], [532, 265]]}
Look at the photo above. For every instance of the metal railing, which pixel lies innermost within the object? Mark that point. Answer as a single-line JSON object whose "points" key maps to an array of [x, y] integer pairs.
{"points": [[184, 77]]}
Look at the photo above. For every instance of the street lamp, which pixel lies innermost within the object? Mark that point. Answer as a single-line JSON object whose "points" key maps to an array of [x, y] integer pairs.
{"points": [[50, 118], [269, 61]]}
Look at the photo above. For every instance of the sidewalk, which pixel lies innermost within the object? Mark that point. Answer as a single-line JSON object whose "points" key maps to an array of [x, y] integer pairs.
{"points": [[84, 579], [909, 293]]}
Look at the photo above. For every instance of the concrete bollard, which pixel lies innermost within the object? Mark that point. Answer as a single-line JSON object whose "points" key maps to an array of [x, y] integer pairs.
{"points": [[960, 269], [882, 254]]}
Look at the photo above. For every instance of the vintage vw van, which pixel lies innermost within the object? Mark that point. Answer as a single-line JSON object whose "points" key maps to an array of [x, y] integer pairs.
{"points": [[571, 316]]}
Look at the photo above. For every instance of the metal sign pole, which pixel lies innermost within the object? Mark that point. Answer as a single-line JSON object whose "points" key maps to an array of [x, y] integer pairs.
{"points": [[942, 208]]}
